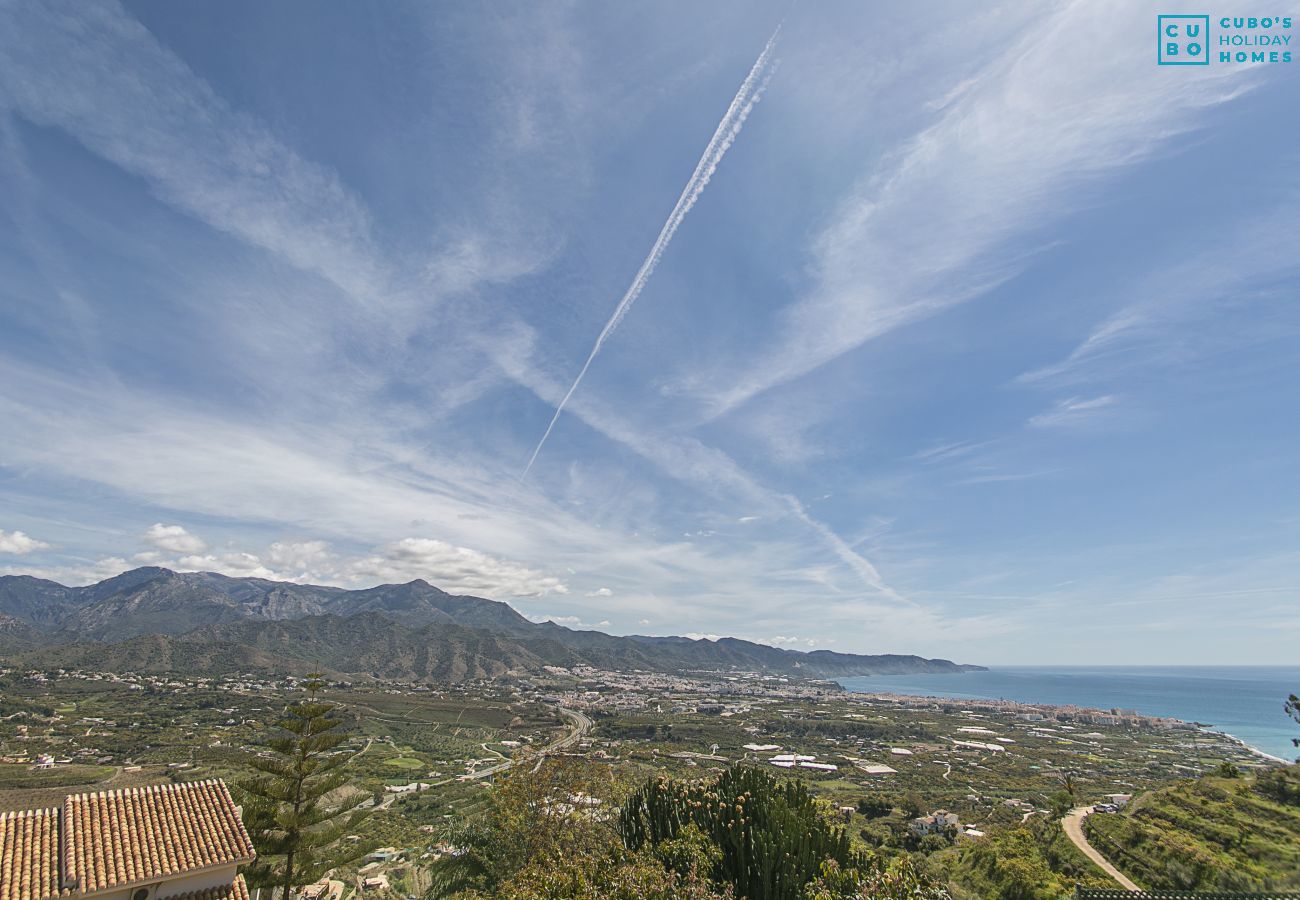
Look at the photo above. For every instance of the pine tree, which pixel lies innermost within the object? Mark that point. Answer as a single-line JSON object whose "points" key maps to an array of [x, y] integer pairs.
{"points": [[1293, 709], [295, 830]]}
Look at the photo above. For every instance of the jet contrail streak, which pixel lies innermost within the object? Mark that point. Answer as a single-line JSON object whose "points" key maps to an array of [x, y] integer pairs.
{"points": [[751, 90]]}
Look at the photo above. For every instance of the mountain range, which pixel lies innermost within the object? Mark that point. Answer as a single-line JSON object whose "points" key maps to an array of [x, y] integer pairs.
{"points": [[154, 619]]}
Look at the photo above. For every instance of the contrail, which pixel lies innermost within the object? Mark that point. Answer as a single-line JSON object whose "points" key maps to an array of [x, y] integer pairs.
{"points": [[751, 90]]}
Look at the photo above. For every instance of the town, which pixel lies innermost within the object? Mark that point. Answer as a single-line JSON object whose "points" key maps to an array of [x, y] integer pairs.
{"points": [[910, 772]]}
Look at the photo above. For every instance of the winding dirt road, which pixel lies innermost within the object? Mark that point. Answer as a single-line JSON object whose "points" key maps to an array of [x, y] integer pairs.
{"points": [[1073, 825]]}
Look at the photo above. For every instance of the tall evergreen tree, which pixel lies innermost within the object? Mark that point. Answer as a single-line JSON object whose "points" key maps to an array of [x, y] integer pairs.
{"points": [[1293, 709], [294, 828]]}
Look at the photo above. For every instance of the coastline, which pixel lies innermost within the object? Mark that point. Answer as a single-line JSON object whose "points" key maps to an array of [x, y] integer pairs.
{"points": [[1013, 706], [995, 696], [1255, 750]]}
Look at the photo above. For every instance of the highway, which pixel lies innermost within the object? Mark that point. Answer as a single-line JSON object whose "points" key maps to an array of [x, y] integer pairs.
{"points": [[581, 725]]}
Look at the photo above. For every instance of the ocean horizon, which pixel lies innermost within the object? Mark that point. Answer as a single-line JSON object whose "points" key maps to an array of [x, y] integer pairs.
{"points": [[1243, 701]]}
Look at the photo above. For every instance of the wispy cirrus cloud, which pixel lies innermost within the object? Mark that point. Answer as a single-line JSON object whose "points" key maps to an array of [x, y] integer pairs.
{"points": [[1236, 268], [470, 528], [130, 99], [1073, 412], [687, 460], [274, 306], [1008, 154]]}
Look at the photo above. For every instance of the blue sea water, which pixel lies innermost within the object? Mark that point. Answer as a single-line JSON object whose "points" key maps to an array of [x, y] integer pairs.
{"points": [[1244, 701]]}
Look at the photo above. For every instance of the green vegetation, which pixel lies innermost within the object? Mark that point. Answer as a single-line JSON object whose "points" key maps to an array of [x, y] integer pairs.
{"points": [[1213, 833], [404, 762], [547, 833], [774, 838], [1032, 861], [295, 829], [108, 731]]}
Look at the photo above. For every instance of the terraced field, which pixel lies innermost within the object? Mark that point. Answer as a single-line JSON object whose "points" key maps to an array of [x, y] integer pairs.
{"points": [[1208, 834]]}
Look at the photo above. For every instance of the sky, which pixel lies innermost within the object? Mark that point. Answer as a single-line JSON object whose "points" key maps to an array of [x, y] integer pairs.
{"points": [[972, 334]]}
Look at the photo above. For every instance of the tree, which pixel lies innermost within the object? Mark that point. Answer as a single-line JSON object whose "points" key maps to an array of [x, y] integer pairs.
{"points": [[1060, 803], [291, 816], [537, 813], [1293, 709], [547, 835], [875, 806], [912, 804]]}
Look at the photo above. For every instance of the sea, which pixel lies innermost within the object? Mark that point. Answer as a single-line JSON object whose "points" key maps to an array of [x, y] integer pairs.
{"points": [[1243, 701]]}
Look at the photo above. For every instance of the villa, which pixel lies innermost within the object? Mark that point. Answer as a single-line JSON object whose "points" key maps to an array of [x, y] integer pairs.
{"points": [[152, 843], [935, 823]]}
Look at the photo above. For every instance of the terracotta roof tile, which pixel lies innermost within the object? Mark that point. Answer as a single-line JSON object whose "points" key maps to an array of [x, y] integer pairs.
{"points": [[29, 854], [115, 838], [236, 890]]}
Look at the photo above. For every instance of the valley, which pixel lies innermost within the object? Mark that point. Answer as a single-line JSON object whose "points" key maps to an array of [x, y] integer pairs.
{"points": [[429, 753]]}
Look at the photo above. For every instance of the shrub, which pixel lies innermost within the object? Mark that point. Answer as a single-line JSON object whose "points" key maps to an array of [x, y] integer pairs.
{"points": [[773, 838]]}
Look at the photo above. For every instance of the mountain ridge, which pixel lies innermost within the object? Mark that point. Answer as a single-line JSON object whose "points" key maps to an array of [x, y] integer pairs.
{"points": [[152, 618]]}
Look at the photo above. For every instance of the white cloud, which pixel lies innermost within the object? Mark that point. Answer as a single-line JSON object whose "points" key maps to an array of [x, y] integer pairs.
{"points": [[781, 640], [454, 569], [570, 622], [1010, 153], [74, 574], [19, 544], [174, 538], [601, 592], [299, 555], [373, 492], [1073, 411], [235, 564]]}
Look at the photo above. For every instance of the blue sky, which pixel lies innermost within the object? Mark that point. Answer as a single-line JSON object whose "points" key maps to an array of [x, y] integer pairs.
{"points": [[973, 334]]}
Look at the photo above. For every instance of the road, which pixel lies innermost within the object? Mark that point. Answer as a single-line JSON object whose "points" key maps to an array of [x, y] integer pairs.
{"points": [[581, 725], [1073, 825]]}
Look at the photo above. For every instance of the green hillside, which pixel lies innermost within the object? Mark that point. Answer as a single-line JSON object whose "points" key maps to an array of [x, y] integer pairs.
{"points": [[1031, 861], [1240, 833]]}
